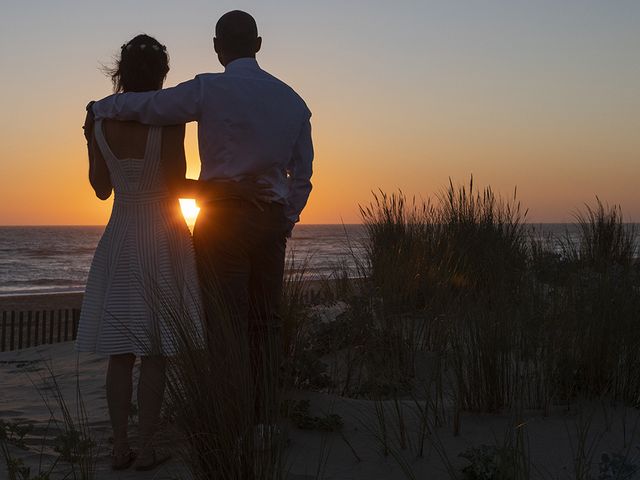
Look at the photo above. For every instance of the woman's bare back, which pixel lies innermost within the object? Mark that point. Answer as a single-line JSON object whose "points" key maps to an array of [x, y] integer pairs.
{"points": [[128, 140]]}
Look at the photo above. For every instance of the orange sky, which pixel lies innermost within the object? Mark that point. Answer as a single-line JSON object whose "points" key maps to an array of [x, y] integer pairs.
{"points": [[544, 97]]}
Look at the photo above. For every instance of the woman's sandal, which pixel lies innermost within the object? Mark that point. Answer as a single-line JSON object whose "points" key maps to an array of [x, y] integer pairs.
{"points": [[124, 461], [158, 459]]}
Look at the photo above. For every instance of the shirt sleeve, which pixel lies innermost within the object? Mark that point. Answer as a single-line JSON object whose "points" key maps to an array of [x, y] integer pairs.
{"points": [[170, 106], [300, 171]]}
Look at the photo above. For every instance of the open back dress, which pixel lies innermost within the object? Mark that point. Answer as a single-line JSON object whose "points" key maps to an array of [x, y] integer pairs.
{"points": [[143, 284]]}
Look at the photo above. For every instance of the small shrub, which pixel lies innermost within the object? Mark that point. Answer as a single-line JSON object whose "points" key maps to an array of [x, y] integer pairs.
{"points": [[14, 432], [310, 373], [17, 470], [302, 419], [490, 462], [616, 466], [72, 445]]}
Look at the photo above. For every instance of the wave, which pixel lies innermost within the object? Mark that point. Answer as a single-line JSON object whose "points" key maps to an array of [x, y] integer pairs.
{"points": [[9, 292], [49, 252], [39, 282]]}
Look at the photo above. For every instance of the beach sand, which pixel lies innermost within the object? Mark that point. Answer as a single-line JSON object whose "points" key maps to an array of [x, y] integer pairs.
{"points": [[358, 451], [355, 453]]}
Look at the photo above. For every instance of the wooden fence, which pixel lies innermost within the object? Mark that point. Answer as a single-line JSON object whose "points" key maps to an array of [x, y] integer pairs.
{"points": [[25, 329], [32, 328]]}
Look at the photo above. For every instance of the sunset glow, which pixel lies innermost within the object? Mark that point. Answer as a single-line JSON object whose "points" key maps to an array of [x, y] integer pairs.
{"points": [[539, 95], [190, 210]]}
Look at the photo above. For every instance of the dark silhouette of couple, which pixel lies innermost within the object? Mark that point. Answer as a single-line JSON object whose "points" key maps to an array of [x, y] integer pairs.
{"points": [[256, 157]]}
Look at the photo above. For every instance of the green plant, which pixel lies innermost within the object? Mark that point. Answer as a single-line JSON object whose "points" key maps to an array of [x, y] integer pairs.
{"points": [[17, 470], [450, 277], [617, 466], [605, 241], [486, 462], [492, 462], [583, 442], [74, 443], [12, 435], [73, 446], [217, 400], [301, 418], [14, 432], [519, 318]]}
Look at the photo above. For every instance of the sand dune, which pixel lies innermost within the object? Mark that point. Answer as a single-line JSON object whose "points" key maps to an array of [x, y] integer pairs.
{"points": [[355, 453]]}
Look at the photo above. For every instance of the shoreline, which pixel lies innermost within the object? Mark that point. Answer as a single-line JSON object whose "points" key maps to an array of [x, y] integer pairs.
{"points": [[25, 301], [29, 293], [39, 300]]}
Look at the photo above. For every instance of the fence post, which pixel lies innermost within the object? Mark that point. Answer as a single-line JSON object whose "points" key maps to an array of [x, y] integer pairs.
{"points": [[29, 332], [20, 329], [44, 327], [51, 318], [76, 317], [11, 332], [36, 328], [4, 331], [66, 325], [59, 324]]}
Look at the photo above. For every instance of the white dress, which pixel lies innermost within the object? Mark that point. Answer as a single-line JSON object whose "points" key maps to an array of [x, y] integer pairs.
{"points": [[143, 282]]}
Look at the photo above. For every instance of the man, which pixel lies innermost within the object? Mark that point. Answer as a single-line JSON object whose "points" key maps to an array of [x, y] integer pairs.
{"points": [[249, 124]]}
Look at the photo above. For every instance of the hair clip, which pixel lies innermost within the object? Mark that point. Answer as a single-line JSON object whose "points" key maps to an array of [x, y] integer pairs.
{"points": [[142, 46]]}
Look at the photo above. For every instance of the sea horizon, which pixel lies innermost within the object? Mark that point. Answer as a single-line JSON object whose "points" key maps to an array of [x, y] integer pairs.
{"points": [[44, 225], [44, 259]]}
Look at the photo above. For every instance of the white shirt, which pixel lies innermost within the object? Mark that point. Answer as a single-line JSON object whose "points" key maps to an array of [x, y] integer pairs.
{"points": [[249, 123]]}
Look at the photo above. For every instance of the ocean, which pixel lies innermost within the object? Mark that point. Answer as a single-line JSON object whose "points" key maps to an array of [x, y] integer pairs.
{"points": [[57, 259]]}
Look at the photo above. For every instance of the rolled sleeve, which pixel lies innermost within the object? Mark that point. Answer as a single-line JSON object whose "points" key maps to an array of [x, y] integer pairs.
{"points": [[171, 106], [299, 171]]}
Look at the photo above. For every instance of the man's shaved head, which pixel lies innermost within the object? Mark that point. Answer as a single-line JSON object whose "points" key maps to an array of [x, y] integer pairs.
{"points": [[236, 36], [237, 25]]}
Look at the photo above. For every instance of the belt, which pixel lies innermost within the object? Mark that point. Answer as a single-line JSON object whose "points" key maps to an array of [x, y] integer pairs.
{"points": [[142, 197], [239, 202]]}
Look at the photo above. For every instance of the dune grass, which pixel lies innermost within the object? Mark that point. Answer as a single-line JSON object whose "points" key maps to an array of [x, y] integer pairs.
{"points": [[505, 320], [226, 409], [458, 306], [74, 443], [516, 320], [212, 393]]}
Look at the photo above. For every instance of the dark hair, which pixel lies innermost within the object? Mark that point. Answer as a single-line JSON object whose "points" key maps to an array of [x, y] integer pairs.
{"points": [[142, 66], [238, 32]]}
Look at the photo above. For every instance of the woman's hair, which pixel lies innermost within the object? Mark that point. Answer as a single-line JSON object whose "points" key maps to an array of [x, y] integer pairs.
{"points": [[142, 66]]}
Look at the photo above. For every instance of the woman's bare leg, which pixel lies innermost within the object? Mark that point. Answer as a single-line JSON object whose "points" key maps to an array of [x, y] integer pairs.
{"points": [[150, 394], [119, 390]]}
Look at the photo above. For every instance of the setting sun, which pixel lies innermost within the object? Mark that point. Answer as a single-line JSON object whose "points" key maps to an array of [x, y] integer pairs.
{"points": [[189, 209]]}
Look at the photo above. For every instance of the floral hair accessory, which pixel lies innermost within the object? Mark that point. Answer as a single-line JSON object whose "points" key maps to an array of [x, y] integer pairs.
{"points": [[142, 46]]}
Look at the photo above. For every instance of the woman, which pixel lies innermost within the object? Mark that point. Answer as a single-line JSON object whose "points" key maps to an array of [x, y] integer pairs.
{"points": [[143, 276]]}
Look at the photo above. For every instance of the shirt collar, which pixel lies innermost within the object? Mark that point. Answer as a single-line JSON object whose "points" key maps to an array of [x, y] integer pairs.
{"points": [[245, 63]]}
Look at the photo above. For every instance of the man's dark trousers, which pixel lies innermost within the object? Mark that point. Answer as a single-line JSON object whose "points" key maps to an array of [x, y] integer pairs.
{"points": [[240, 250]]}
